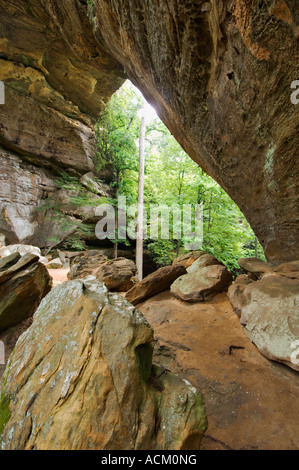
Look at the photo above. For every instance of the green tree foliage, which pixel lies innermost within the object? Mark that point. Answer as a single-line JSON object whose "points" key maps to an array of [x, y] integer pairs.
{"points": [[117, 135], [171, 177]]}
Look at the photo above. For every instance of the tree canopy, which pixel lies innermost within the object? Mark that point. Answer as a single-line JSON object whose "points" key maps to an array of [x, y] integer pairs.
{"points": [[171, 177]]}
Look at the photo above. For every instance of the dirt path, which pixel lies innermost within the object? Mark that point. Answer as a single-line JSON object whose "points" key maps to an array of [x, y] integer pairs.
{"points": [[251, 402], [59, 275]]}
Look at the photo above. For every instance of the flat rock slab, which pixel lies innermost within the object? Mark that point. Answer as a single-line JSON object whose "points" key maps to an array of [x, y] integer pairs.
{"points": [[21, 249], [155, 283], [201, 284]]}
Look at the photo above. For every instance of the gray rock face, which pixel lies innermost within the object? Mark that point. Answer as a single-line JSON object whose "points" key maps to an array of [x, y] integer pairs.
{"points": [[201, 284], [203, 262], [21, 249], [270, 316], [81, 378]]}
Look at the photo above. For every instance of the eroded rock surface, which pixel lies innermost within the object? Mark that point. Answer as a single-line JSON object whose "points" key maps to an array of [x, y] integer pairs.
{"points": [[24, 281], [268, 309], [81, 377], [271, 318], [202, 283], [218, 73], [117, 274], [155, 283]]}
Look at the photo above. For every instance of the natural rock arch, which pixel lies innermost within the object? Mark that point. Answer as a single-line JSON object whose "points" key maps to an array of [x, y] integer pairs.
{"points": [[218, 72]]}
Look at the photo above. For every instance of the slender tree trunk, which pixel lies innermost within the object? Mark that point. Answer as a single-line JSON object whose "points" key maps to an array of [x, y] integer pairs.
{"points": [[256, 247], [115, 253], [139, 240]]}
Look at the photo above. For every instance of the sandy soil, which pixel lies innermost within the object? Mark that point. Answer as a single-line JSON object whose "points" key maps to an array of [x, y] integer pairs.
{"points": [[251, 402], [59, 275]]}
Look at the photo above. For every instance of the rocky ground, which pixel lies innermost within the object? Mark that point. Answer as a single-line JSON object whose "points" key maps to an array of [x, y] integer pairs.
{"points": [[251, 402]]}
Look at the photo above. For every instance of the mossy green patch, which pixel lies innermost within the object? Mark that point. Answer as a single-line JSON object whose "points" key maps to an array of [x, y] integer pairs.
{"points": [[144, 353], [5, 412]]}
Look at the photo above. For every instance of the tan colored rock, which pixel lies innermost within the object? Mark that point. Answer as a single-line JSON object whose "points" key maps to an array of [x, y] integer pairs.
{"points": [[14, 263], [155, 283], [117, 274], [255, 267], [22, 287], [202, 262], [2, 240], [188, 259], [81, 378], [289, 269], [201, 284], [235, 292], [21, 249], [209, 68], [55, 264]]}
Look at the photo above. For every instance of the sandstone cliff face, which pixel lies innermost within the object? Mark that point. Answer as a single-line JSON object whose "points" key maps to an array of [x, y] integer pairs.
{"points": [[219, 74], [57, 81]]}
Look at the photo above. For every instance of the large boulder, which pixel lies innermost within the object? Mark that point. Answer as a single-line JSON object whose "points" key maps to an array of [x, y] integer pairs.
{"points": [[236, 290], [202, 262], [23, 283], [255, 267], [55, 264], [270, 316], [21, 249], [289, 269], [188, 259], [118, 274], [81, 378], [155, 283], [204, 283]]}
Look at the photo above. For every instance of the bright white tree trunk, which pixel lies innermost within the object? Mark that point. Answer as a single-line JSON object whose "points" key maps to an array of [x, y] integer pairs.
{"points": [[139, 239]]}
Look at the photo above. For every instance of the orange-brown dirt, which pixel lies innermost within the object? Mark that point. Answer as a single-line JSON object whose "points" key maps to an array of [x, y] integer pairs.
{"points": [[251, 402]]}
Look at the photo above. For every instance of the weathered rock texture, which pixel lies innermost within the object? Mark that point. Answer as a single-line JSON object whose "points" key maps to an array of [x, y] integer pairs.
{"points": [[255, 268], [203, 262], [268, 309], [57, 81], [202, 283], [23, 283], [117, 274], [81, 378], [219, 74], [155, 283], [188, 259], [271, 318]]}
